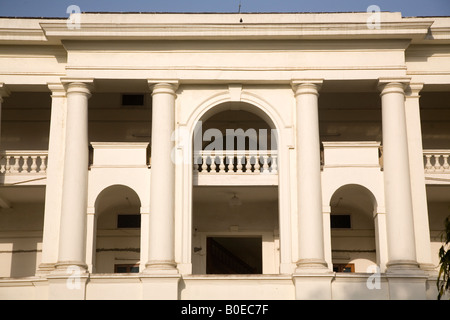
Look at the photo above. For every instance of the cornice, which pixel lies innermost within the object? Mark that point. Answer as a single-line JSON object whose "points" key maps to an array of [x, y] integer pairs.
{"points": [[337, 30], [18, 34], [219, 27]]}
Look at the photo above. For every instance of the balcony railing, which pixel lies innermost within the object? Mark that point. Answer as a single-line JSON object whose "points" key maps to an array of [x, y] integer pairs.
{"points": [[23, 162], [236, 162], [436, 161]]}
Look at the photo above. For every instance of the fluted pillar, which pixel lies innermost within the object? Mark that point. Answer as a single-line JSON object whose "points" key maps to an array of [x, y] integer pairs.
{"points": [[161, 254], [397, 181], [72, 242], [310, 219]]}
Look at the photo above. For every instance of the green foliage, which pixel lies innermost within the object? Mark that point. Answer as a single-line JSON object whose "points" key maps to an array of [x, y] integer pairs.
{"points": [[444, 262]]}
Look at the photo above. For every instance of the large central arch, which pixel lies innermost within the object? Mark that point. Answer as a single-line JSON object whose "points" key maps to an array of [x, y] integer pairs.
{"points": [[215, 104]]}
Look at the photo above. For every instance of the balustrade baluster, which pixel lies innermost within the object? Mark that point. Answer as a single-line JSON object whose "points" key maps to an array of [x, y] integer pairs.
{"points": [[16, 166], [239, 164], [248, 165], [204, 164], [33, 167], [8, 164], [428, 165], [222, 163], [214, 163], [43, 167], [274, 163], [229, 164], [257, 164], [265, 164]]}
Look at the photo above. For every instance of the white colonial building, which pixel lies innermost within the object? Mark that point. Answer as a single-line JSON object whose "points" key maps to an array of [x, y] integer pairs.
{"points": [[223, 156]]}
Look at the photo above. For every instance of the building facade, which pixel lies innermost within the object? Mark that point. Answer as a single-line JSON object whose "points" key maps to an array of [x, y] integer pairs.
{"points": [[223, 156]]}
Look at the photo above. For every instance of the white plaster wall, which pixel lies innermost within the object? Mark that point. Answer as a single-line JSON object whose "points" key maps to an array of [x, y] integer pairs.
{"points": [[20, 239]]}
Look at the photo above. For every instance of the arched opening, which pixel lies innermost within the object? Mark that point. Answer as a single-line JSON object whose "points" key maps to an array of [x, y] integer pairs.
{"points": [[117, 245], [353, 236], [235, 215]]}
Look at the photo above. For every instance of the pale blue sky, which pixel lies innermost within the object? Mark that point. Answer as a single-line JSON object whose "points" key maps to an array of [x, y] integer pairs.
{"points": [[57, 8]]}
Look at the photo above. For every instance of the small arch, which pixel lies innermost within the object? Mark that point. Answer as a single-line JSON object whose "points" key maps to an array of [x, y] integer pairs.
{"points": [[117, 231], [357, 192], [353, 234], [117, 195]]}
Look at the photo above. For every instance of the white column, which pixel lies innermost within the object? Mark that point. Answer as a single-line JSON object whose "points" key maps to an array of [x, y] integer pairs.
{"points": [[72, 242], [310, 217], [161, 254], [91, 239], [397, 182], [327, 236], [4, 92], [418, 189], [53, 189], [381, 243]]}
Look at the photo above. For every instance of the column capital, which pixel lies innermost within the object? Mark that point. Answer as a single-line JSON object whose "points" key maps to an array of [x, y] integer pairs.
{"points": [[390, 85], [57, 89], [163, 86], [78, 85], [306, 86], [4, 91], [413, 90]]}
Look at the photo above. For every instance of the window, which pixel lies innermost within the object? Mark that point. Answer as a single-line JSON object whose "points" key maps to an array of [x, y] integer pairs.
{"points": [[348, 267], [128, 221], [340, 221], [132, 100], [126, 268]]}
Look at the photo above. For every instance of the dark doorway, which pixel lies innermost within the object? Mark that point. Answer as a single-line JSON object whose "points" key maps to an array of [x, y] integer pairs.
{"points": [[234, 255]]}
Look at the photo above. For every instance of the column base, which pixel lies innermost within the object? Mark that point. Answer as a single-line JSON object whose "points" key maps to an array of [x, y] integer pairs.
{"points": [[311, 266], [160, 287], [45, 269], [160, 268], [429, 268], [403, 267], [70, 267]]}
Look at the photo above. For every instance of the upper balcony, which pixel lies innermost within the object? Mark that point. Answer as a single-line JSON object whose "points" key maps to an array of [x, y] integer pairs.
{"points": [[236, 167], [437, 168], [23, 167]]}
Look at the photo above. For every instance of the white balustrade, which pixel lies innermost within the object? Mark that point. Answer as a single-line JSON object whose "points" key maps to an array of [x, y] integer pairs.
{"points": [[23, 162], [236, 162], [436, 161]]}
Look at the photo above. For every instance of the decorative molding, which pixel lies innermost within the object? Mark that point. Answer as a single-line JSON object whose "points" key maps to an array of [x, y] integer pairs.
{"points": [[178, 31], [235, 92], [393, 84]]}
